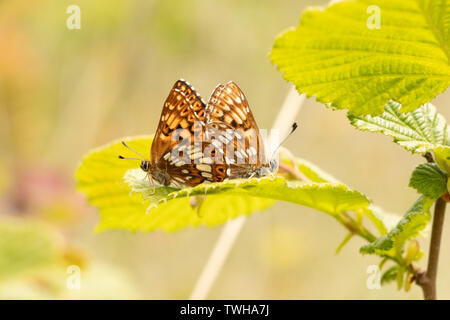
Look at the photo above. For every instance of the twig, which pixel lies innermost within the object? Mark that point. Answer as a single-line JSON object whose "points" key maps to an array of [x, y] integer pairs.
{"points": [[427, 280], [217, 258], [286, 116]]}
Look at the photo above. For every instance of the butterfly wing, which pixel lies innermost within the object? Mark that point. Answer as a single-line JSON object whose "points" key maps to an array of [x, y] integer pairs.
{"points": [[173, 149], [229, 105], [185, 116], [228, 111], [184, 110]]}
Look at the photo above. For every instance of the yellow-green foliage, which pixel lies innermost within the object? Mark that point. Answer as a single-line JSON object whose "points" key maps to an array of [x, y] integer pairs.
{"points": [[340, 56], [123, 194]]}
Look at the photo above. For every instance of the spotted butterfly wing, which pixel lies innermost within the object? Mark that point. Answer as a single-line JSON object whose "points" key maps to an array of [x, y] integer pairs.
{"points": [[184, 150], [229, 105], [228, 115], [182, 109], [181, 119]]}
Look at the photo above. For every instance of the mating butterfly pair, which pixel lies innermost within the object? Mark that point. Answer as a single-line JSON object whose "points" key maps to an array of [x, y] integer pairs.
{"points": [[197, 142]]}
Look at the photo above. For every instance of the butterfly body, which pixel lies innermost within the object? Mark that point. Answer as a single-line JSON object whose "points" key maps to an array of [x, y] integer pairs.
{"points": [[198, 143], [156, 173]]}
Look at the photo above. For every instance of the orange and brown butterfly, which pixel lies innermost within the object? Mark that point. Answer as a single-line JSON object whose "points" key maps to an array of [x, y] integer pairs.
{"points": [[197, 142]]}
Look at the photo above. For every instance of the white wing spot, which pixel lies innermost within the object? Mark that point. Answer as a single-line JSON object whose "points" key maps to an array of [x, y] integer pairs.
{"points": [[207, 160], [241, 114], [204, 167], [206, 174], [217, 143]]}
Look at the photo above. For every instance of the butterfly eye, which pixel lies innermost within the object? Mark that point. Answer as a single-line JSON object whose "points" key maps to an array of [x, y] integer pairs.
{"points": [[145, 165]]}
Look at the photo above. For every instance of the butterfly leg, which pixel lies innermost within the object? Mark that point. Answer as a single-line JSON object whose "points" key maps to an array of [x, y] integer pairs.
{"points": [[149, 176]]}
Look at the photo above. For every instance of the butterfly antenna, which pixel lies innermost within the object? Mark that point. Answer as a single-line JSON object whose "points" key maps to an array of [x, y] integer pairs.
{"points": [[121, 157], [126, 146], [293, 128]]}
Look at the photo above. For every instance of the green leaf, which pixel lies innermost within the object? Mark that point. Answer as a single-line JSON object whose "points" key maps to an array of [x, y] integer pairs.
{"points": [[429, 180], [383, 220], [310, 170], [335, 56], [414, 221], [389, 275], [100, 176], [24, 248], [344, 242], [442, 158], [419, 131]]}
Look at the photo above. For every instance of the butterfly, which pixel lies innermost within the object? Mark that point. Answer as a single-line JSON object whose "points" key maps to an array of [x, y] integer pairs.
{"points": [[198, 142]]}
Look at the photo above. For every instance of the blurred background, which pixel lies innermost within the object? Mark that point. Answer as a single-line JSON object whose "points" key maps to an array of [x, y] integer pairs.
{"points": [[63, 92]]}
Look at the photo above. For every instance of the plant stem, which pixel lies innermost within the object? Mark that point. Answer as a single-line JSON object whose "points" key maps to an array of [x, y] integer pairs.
{"points": [[427, 280]]}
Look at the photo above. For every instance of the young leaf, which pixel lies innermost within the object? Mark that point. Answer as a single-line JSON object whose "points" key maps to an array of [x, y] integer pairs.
{"points": [[342, 57], [429, 180], [100, 178], [344, 242], [442, 158], [419, 131], [389, 275], [414, 221], [384, 221]]}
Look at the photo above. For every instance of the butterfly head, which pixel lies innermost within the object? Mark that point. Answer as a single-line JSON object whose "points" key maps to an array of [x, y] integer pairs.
{"points": [[145, 165], [267, 169]]}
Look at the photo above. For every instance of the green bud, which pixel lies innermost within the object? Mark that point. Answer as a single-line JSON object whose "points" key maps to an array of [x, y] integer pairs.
{"points": [[408, 281], [412, 251]]}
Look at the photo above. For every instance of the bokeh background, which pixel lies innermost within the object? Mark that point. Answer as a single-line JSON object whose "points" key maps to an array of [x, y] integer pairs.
{"points": [[64, 92]]}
